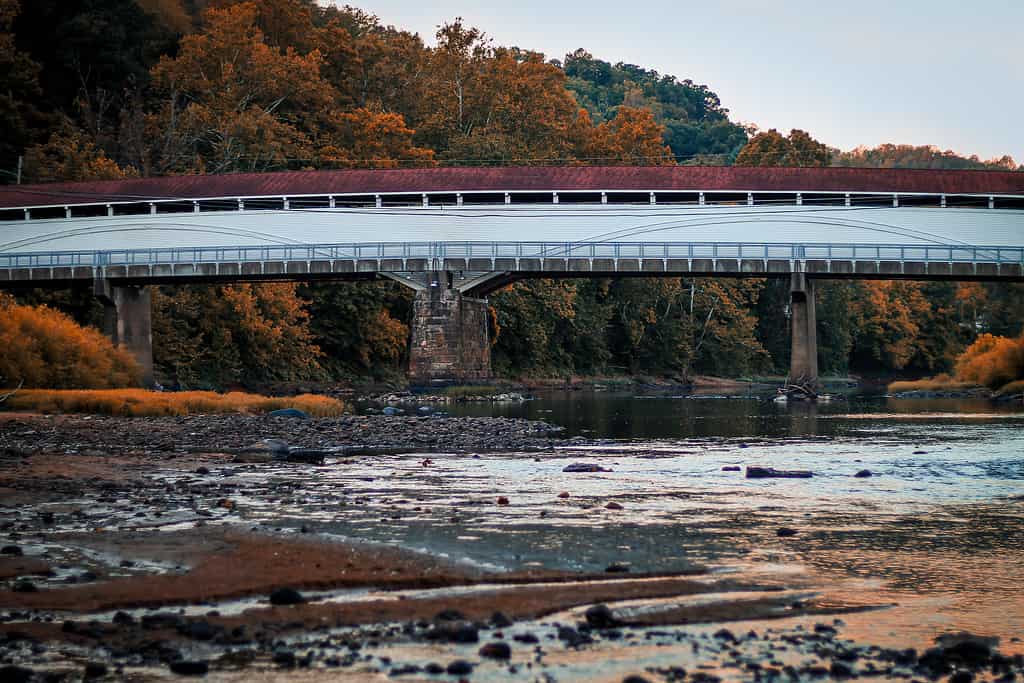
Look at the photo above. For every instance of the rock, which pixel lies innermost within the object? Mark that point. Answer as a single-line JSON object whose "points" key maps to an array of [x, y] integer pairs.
{"points": [[309, 456], [499, 620], [434, 668], [962, 677], [526, 638], [584, 467], [864, 473], [617, 568], [24, 586], [123, 619], [95, 670], [12, 550], [199, 630], [731, 468], [190, 667], [289, 412], [15, 674], [572, 638], [276, 446], [958, 650], [496, 650], [613, 506], [785, 532], [254, 457], [454, 632], [391, 410], [162, 620], [460, 667], [563, 494], [635, 679], [770, 472], [600, 616], [284, 658], [840, 670], [286, 596], [502, 500], [726, 634], [449, 615]]}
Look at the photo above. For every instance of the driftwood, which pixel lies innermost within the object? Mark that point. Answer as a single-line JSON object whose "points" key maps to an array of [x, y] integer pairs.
{"points": [[798, 391]]}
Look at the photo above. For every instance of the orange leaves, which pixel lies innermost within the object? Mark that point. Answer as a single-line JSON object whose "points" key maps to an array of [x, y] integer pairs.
{"points": [[364, 138], [45, 348], [771, 148], [992, 361], [70, 155], [632, 137]]}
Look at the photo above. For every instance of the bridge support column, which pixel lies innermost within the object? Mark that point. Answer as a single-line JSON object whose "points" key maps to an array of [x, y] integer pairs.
{"points": [[450, 340], [803, 360], [127, 320]]}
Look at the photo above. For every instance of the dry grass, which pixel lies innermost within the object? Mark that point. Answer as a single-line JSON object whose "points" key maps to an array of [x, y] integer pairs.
{"points": [[142, 403], [937, 383]]}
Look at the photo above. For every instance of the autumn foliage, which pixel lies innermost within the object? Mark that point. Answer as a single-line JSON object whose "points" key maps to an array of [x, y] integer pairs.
{"points": [[42, 347], [142, 403], [992, 361]]}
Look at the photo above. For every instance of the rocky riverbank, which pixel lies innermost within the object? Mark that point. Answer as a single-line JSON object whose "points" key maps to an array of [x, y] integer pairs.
{"points": [[101, 435]]}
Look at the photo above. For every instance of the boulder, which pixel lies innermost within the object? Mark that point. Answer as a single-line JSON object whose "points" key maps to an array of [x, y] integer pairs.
{"points": [[584, 467], [754, 472]]}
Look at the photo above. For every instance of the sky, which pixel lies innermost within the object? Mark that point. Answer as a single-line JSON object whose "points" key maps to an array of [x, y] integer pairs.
{"points": [[938, 72]]}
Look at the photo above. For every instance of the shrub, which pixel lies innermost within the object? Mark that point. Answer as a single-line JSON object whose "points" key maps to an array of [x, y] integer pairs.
{"points": [[42, 347], [142, 403], [941, 382], [992, 361]]}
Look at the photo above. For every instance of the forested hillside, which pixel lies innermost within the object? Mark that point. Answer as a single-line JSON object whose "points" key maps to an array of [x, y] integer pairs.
{"points": [[108, 88]]}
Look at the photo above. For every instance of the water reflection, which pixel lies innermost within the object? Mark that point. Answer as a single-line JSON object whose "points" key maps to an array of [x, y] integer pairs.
{"points": [[661, 415]]}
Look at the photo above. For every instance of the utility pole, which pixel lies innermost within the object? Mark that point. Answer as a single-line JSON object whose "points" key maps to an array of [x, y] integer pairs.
{"points": [[20, 160]]}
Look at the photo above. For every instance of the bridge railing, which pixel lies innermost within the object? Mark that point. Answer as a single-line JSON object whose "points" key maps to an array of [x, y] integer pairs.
{"points": [[436, 252]]}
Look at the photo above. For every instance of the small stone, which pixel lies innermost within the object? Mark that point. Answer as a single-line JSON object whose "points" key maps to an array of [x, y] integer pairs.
{"points": [[460, 667], [617, 568], [449, 615], [840, 670], [785, 532], [613, 506], [526, 638], [186, 667], [24, 586], [635, 679], [434, 668], [284, 658], [499, 620], [95, 670], [286, 596], [864, 474], [731, 468], [202, 470], [600, 616], [12, 550], [289, 412], [962, 677], [496, 650], [563, 494], [584, 467], [502, 500]]}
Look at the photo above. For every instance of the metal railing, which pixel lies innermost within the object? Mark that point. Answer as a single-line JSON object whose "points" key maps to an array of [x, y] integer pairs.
{"points": [[437, 252]]}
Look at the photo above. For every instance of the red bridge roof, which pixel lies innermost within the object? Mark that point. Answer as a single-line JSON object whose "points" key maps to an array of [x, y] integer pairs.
{"points": [[536, 178]]}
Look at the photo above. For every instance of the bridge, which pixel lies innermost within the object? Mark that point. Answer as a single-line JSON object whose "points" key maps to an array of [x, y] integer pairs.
{"points": [[457, 234]]}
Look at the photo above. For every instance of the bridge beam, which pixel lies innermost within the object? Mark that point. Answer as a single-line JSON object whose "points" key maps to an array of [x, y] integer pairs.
{"points": [[127, 320], [450, 340], [803, 360]]}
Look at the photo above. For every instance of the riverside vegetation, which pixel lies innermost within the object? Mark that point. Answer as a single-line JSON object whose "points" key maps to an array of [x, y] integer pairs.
{"points": [[112, 88]]}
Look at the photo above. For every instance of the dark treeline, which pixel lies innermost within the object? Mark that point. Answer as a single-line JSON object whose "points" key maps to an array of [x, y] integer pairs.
{"points": [[96, 89]]}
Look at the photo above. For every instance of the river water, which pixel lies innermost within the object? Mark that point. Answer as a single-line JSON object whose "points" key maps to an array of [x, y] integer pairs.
{"points": [[937, 530]]}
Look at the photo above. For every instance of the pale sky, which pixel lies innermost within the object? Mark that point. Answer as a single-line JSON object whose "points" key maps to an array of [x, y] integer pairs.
{"points": [[942, 72]]}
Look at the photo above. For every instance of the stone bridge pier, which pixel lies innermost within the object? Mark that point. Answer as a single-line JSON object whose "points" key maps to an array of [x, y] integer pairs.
{"points": [[450, 338], [803, 360], [127, 320]]}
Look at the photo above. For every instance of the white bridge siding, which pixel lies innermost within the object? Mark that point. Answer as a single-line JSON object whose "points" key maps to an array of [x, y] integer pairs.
{"points": [[530, 237]]}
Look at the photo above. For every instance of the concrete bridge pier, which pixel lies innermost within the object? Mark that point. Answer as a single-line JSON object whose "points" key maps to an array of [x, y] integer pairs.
{"points": [[803, 360], [127, 320], [450, 340]]}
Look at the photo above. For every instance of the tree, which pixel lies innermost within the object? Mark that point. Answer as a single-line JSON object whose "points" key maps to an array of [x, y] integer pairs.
{"points": [[632, 137], [44, 348], [363, 138], [19, 90], [70, 156], [771, 148], [233, 102], [217, 336]]}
